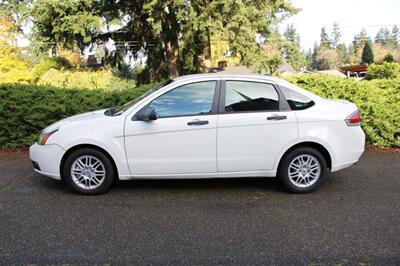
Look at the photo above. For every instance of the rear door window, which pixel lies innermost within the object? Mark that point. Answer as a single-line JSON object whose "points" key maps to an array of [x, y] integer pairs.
{"points": [[247, 96]]}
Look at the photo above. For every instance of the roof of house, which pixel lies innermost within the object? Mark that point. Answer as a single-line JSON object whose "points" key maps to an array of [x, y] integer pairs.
{"points": [[356, 68], [286, 67], [333, 72]]}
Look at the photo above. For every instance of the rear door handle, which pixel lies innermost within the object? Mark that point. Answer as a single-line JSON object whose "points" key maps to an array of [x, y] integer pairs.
{"points": [[277, 117], [197, 123]]}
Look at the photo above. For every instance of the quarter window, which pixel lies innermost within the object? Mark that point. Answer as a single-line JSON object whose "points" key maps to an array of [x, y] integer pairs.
{"points": [[296, 101], [191, 99], [243, 96]]}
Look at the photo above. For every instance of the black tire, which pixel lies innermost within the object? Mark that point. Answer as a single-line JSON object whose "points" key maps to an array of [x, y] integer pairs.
{"points": [[283, 171], [108, 167]]}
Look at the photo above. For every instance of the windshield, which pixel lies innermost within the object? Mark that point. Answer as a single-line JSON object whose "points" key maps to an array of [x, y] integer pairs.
{"points": [[123, 108]]}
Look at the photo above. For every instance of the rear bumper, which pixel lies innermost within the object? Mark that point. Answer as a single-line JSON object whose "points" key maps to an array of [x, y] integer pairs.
{"points": [[348, 148], [47, 159], [338, 167]]}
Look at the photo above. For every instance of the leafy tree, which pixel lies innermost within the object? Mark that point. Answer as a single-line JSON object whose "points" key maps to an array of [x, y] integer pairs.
{"points": [[381, 51], [327, 58], [367, 54], [12, 68], [59, 63]]}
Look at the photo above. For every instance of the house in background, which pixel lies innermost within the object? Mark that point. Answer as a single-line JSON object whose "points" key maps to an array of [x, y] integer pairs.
{"points": [[354, 71], [91, 62], [332, 72], [286, 70]]}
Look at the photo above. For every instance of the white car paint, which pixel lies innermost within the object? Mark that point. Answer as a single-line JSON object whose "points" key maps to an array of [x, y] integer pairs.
{"points": [[231, 145]]}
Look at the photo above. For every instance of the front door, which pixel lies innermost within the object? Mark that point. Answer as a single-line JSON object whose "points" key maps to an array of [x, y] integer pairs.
{"points": [[183, 138]]}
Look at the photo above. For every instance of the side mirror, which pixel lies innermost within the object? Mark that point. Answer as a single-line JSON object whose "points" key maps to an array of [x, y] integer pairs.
{"points": [[146, 114]]}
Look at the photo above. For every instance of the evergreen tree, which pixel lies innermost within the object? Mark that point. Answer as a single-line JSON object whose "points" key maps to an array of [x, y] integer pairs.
{"points": [[342, 53], [396, 37], [324, 40], [389, 58], [360, 39], [291, 48], [350, 55], [291, 35], [386, 36], [336, 35], [367, 54], [380, 37], [173, 35]]}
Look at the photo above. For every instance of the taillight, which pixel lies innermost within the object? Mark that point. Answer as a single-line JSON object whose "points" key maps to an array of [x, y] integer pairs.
{"points": [[354, 119]]}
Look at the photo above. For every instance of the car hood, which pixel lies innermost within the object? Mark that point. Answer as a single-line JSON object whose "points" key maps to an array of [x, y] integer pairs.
{"points": [[77, 118]]}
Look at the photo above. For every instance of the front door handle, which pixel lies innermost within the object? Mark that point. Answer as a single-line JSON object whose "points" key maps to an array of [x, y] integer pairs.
{"points": [[197, 123], [277, 117]]}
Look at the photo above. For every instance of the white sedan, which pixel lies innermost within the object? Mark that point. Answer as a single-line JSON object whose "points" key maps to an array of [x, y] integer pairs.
{"points": [[205, 126]]}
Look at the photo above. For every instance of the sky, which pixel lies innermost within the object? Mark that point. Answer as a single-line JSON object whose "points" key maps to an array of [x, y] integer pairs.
{"points": [[351, 15]]}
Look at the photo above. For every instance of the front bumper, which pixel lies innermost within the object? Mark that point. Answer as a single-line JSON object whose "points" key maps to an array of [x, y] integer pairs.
{"points": [[47, 159]]}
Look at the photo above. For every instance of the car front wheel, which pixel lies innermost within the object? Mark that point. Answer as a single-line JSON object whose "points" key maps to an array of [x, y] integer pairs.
{"points": [[303, 170], [88, 171]]}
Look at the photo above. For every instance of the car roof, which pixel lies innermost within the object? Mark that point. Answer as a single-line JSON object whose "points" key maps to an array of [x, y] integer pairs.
{"points": [[225, 76]]}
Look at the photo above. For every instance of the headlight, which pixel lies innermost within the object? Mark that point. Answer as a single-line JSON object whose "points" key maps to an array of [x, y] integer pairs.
{"points": [[44, 136]]}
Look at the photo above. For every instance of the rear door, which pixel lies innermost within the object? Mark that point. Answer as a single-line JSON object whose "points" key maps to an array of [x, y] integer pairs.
{"points": [[253, 126]]}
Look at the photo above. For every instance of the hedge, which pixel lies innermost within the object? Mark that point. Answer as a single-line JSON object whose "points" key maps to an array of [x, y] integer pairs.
{"points": [[378, 101], [383, 71], [27, 109], [100, 79]]}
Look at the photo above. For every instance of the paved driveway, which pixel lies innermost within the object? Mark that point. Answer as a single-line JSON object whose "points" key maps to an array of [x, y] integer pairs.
{"points": [[354, 218]]}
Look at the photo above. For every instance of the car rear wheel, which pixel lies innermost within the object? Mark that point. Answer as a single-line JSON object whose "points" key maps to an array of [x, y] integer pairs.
{"points": [[88, 171], [303, 170]]}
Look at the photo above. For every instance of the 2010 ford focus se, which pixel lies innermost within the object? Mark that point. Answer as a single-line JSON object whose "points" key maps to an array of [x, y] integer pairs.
{"points": [[205, 126]]}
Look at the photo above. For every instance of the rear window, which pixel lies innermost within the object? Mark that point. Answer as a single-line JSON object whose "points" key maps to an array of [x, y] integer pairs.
{"points": [[296, 100]]}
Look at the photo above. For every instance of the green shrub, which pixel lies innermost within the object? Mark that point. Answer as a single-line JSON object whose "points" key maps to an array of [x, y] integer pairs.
{"points": [[377, 100], [49, 63], [385, 71], [101, 79], [27, 109]]}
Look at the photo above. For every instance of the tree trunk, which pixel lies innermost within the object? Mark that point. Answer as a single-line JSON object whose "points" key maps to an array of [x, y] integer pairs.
{"points": [[170, 33], [203, 54], [172, 59]]}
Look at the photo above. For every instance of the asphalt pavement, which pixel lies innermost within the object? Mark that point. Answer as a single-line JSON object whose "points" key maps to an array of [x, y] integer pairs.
{"points": [[354, 219]]}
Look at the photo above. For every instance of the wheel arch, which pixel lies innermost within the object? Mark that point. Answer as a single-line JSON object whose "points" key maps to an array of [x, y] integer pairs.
{"points": [[319, 147], [80, 146]]}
